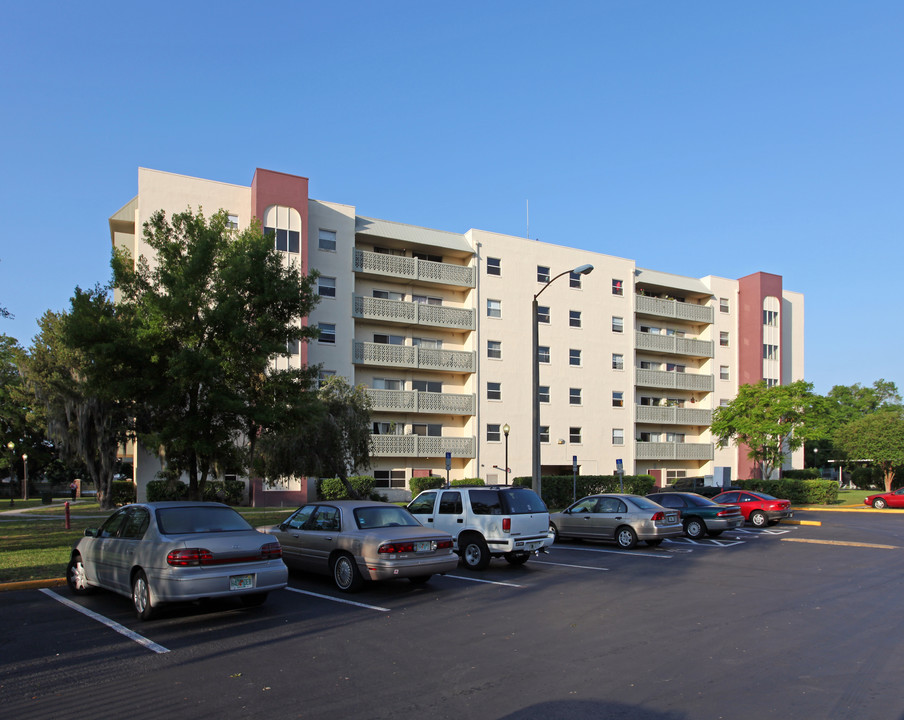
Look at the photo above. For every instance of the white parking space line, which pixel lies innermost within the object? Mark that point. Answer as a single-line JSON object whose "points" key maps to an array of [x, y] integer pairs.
{"points": [[122, 630], [338, 600], [479, 580], [580, 567], [617, 552]]}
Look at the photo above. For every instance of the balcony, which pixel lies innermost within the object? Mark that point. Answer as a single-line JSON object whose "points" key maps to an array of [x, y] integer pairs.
{"points": [[415, 358], [413, 270], [422, 446], [673, 415], [411, 313], [673, 345], [674, 380], [422, 402], [673, 310], [672, 451]]}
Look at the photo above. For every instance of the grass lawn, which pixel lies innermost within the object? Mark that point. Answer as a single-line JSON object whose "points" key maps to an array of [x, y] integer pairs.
{"points": [[38, 549]]}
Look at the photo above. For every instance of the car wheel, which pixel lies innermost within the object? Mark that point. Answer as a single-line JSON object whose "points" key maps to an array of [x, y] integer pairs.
{"points": [[254, 599], [141, 596], [714, 533], [758, 518], [76, 578], [694, 528], [419, 579], [517, 558], [346, 574], [654, 543], [555, 532], [475, 553], [880, 504], [626, 537]]}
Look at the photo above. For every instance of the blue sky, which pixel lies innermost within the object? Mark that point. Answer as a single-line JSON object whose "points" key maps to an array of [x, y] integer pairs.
{"points": [[697, 138]]}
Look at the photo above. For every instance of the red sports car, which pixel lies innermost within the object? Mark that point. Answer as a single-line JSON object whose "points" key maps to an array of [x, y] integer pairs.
{"points": [[759, 508], [893, 499]]}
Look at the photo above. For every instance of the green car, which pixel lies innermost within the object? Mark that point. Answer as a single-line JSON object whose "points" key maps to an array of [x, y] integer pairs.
{"points": [[700, 515]]}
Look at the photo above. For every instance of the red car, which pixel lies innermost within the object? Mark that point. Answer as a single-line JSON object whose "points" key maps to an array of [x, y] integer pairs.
{"points": [[759, 508], [894, 499]]}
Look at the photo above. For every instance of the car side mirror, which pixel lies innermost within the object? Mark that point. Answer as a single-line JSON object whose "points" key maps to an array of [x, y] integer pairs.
{"points": [[91, 532]]}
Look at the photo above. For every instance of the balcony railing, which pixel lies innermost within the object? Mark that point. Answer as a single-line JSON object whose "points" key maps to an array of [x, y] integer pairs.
{"points": [[422, 402], [412, 269], [673, 415], [417, 358], [659, 307], [674, 380], [411, 313], [422, 446], [673, 345], [672, 451]]}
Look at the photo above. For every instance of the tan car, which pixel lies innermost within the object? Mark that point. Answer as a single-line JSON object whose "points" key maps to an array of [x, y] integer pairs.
{"points": [[622, 518], [355, 540]]}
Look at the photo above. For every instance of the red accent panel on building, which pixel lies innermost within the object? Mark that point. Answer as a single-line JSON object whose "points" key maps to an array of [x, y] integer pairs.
{"points": [[752, 291]]}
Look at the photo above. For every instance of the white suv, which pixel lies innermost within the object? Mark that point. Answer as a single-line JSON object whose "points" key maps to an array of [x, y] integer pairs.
{"points": [[487, 521]]}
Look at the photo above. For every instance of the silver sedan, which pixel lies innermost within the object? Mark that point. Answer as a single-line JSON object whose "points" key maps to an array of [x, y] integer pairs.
{"points": [[177, 551], [622, 518], [356, 541]]}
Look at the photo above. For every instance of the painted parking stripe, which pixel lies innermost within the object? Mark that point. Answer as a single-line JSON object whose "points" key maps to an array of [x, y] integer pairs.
{"points": [[841, 542], [617, 552], [122, 630], [580, 567], [481, 580], [338, 600]]}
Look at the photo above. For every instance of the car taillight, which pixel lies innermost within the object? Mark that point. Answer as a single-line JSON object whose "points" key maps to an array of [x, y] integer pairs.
{"points": [[729, 511], [658, 517], [399, 547], [271, 551], [506, 524], [444, 545], [189, 557]]}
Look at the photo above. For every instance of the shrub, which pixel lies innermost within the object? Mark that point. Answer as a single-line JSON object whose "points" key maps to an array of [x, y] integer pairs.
{"points": [[805, 474], [161, 490], [123, 492], [800, 492], [558, 490], [467, 481], [431, 482], [868, 478], [231, 492], [333, 489]]}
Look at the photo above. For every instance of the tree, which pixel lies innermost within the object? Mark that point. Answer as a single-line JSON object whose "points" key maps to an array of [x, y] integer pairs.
{"points": [[879, 438], [332, 441], [770, 421], [207, 315]]}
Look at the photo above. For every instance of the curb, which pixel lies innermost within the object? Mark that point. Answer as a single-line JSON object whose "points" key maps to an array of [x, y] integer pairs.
{"points": [[801, 522], [32, 584]]}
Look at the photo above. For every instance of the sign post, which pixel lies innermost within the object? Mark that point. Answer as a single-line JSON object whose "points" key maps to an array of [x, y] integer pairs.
{"points": [[620, 471], [574, 470], [448, 466]]}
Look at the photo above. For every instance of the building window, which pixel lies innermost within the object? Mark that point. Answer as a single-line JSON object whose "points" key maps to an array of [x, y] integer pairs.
{"points": [[723, 402], [544, 433], [323, 376], [618, 436], [543, 354], [327, 333], [232, 221], [427, 343], [326, 240], [542, 274], [723, 372], [387, 384], [723, 338], [427, 429], [574, 280], [574, 435], [389, 478], [618, 324], [284, 224], [427, 300], [543, 393], [770, 382], [574, 396], [723, 305], [294, 347], [618, 398], [494, 266], [574, 357], [618, 287], [494, 308], [388, 295], [389, 251], [387, 428], [326, 286], [770, 318], [675, 367], [574, 318], [618, 361], [389, 339], [543, 314], [494, 433], [674, 437], [434, 386], [770, 352], [494, 391], [494, 349], [426, 256]]}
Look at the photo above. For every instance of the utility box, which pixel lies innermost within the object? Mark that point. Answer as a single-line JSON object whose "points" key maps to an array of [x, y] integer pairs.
{"points": [[722, 477]]}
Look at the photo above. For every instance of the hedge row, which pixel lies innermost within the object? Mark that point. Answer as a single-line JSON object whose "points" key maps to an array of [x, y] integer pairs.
{"points": [[558, 490], [230, 491], [806, 492], [333, 489]]}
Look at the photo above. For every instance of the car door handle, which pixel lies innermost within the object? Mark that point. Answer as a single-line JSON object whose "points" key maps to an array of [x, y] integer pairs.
{"points": [[461, 520], [618, 517], [429, 519]]}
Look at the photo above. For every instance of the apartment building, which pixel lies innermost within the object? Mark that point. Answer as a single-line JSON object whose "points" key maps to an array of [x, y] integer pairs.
{"points": [[437, 326]]}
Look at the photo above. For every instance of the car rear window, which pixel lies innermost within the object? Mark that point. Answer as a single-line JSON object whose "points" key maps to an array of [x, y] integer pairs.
{"points": [[380, 517], [186, 520], [643, 503], [506, 502]]}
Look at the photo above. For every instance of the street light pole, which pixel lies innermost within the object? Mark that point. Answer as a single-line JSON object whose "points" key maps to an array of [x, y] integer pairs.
{"points": [[11, 446], [25, 476], [535, 415], [505, 431]]}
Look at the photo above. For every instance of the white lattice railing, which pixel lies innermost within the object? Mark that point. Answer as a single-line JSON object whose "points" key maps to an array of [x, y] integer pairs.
{"points": [[423, 402], [370, 308], [422, 446], [659, 307], [673, 415], [674, 380], [407, 356], [672, 451], [673, 344], [406, 268]]}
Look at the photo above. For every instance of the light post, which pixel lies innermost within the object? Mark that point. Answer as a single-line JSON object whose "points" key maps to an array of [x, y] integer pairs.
{"points": [[25, 476], [535, 442], [505, 431], [11, 446]]}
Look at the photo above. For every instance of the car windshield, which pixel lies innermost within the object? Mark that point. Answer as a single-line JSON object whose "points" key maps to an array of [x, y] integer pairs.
{"points": [[643, 503], [699, 500], [198, 519], [367, 518]]}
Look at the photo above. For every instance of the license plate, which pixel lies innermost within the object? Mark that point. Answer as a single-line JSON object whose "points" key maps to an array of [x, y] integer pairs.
{"points": [[241, 582], [533, 545], [424, 546]]}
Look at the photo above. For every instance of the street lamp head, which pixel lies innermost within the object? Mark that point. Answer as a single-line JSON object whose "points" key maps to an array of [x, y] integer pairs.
{"points": [[583, 270], [10, 445], [506, 429], [25, 457]]}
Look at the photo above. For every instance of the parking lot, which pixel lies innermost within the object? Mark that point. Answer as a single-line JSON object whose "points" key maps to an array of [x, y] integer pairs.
{"points": [[796, 620]]}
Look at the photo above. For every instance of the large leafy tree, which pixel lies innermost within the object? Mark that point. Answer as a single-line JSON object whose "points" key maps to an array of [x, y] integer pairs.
{"points": [[207, 314], [770, 421], [878, 438]]}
